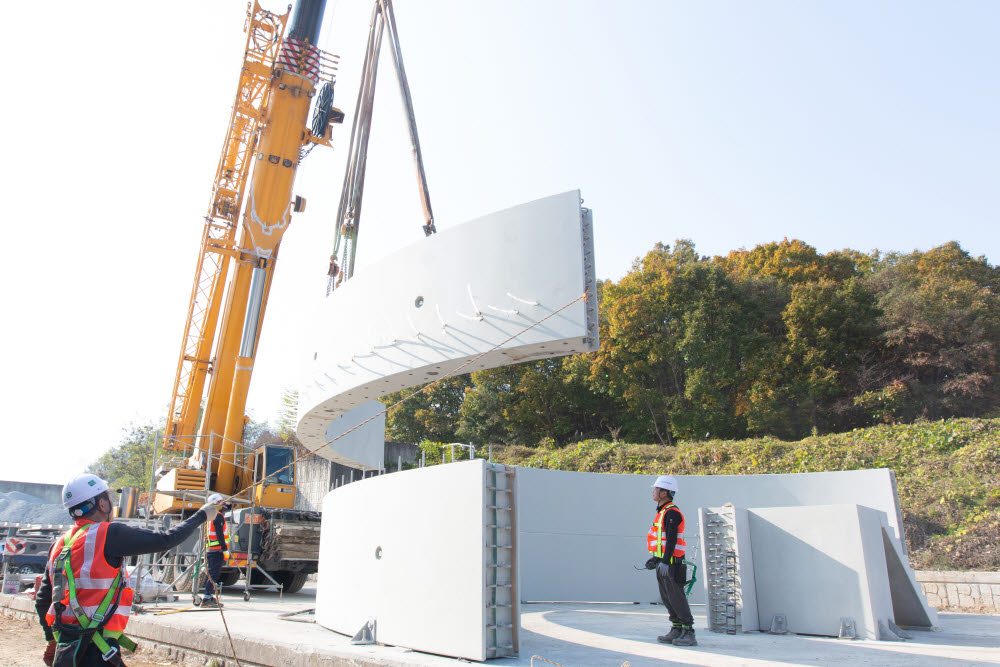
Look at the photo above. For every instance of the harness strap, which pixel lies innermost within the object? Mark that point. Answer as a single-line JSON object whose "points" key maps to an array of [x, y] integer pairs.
{"points": [[91, 629]]}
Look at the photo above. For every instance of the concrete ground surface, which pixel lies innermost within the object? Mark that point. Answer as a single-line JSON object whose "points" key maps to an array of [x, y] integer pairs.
{"points": [[566, 634]]}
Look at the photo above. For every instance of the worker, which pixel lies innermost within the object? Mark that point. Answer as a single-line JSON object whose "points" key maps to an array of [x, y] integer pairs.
{"points": [[84, 601], [216, 551], [665, 541]]}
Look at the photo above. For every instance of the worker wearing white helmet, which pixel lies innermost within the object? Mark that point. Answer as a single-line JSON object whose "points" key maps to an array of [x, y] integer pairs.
{"points": [[84, 601], [216, 551], [665, 541]]}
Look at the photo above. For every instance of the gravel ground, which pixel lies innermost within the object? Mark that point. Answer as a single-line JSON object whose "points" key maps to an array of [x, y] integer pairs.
{"points": [[22, 645]]}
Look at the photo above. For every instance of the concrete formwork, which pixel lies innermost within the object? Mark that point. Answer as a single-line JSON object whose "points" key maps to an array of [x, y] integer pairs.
{"points": [[606, 517], [578, 537], [417, 553], [819, 565]]}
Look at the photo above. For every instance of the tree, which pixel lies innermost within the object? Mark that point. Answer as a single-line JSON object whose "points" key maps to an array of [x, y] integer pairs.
{"points": [[677, 333], [130, 462], [830, 326], [941, 330], [426, 414], [288, 417], [791, 262]]}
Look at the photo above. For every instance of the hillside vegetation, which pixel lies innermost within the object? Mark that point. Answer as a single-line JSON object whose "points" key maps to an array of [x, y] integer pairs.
{"points": [[779, 340], [948, 475]]}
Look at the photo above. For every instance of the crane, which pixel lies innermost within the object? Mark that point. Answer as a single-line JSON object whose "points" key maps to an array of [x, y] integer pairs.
{"points": [[250, 208]]}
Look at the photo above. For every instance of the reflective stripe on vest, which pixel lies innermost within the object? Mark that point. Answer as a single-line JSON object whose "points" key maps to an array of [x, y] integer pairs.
{"points": [[92, 576], [656, 538], [212, 540]]}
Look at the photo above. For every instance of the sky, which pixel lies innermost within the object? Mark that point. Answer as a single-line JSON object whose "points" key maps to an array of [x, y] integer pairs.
{"points": [[845, 124]]}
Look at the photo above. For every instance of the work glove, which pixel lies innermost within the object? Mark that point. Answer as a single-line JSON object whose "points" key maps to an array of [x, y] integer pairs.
{"points": [[210, 511], [50, 653], [225, 555], [652, 563]]}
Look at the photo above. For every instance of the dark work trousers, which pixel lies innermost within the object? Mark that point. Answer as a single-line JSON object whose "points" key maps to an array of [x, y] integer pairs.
{"points": [[671, 579], [214, 563], [89, 657]]}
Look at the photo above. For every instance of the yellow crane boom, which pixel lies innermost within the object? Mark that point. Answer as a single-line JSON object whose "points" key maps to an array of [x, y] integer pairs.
{"points": [[264, 144]]}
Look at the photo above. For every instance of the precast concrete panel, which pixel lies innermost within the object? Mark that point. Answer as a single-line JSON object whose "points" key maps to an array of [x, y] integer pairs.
{"points": [[819, 564], [581, 533], [358, 437], [432, 307], [408, 549]]}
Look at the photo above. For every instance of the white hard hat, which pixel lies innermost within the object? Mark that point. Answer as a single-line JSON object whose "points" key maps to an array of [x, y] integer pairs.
{"points": [[82, 488], [666, 482], [215, 499]]}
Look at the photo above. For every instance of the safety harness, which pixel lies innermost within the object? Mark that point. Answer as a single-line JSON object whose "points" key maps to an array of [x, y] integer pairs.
{"points": [[91, 628], [657, 545]]}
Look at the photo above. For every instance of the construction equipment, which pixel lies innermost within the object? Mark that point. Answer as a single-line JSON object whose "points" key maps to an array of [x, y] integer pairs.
{"points": [[269, 135], [250, 209]]}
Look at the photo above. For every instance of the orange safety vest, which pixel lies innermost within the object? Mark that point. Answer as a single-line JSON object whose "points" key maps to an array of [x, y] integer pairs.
{"points": [[93, 577], [656, 539], [212, 539]]}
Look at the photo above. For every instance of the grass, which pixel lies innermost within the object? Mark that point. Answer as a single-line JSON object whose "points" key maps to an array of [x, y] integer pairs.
{"points": [[947, 472]]}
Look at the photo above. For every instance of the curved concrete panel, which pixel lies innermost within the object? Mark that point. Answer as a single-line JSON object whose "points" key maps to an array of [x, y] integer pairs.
{"points": [[364, 441], [412, 551], [606, 517], [424, 567], [430, 308]]}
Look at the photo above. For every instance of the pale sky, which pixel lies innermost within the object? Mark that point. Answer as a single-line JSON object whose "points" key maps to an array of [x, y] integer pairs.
{"points": [[842, 123]]}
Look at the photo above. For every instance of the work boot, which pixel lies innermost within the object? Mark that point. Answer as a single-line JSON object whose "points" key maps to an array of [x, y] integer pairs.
{"points": [[687, 638], [669, 638], [210, 602]]}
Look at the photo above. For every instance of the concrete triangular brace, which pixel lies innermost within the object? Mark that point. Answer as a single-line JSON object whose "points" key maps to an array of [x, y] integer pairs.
{"points": [[886, 634], [366, 635], [848, 630], [779, 625], [897, 631]]}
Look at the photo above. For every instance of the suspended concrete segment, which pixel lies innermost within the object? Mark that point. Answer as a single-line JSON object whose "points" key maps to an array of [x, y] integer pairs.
{"points": [[432, 307]]}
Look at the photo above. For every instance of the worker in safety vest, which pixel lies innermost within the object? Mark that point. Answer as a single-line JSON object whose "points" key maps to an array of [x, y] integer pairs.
{"points": [[84, 601], [665, 541], [216, 551]]}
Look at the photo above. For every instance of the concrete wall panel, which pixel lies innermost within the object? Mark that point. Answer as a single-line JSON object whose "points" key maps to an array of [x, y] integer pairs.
{"points": [[358, 437], [816, 565], [581, 533], [407, 550], [432, 307]]}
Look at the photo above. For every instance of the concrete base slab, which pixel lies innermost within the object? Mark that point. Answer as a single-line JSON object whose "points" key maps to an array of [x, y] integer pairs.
{"points": [[567, 634]]}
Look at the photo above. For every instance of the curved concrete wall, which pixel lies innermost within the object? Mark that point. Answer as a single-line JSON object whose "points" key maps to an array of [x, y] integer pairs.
{"points": [[578, 537], [579, 534], [411, 551], [439, 303]]}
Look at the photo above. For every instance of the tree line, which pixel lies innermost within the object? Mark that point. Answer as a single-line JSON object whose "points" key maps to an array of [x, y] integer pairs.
{"points": [[779, 340]]}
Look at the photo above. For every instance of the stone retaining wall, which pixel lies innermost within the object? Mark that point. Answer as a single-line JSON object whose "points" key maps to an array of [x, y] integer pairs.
{"points": [[974, 591]]}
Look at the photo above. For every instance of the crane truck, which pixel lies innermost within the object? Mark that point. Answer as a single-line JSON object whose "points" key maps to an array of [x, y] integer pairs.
{"points": [[282, 77]]}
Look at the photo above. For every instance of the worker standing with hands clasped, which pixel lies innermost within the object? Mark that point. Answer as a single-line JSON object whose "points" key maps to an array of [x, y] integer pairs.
{"points": [[216, 551], [84, 601], [665, 541]]}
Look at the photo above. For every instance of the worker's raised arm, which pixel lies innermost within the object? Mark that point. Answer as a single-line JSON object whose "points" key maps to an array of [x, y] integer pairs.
{"points": [[124, 540]]}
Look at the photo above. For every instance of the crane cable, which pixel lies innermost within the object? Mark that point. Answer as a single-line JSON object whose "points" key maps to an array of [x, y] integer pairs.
{"points": [[352, 191], [376, 416]]}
